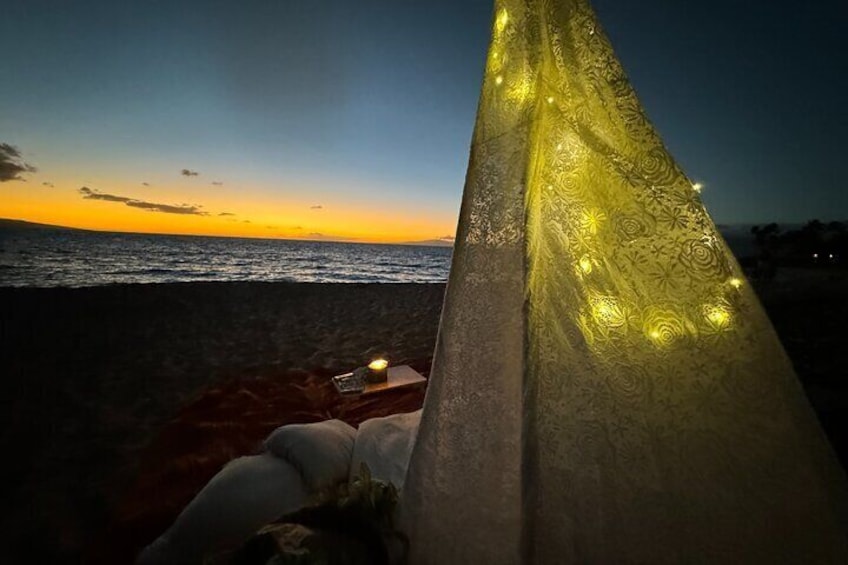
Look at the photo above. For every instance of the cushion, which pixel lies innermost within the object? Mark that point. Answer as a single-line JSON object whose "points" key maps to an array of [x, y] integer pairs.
{"points": [[321, 452], [385, 446]]}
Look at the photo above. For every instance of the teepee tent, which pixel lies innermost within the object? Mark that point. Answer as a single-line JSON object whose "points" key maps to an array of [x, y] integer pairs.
{"points": [[606, 386]]}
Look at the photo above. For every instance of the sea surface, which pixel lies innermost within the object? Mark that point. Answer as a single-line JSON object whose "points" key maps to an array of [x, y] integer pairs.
{"points": [[47, 258]]}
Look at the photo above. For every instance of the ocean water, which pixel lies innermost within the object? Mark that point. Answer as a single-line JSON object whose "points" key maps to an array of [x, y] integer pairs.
{"points": [[45, 258]]}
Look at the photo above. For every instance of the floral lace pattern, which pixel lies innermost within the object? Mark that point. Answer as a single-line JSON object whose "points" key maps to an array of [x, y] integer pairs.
{"points": [[606, 387]]}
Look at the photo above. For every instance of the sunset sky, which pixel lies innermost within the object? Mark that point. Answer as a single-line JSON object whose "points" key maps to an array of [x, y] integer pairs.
{"points": [[333, 119]]}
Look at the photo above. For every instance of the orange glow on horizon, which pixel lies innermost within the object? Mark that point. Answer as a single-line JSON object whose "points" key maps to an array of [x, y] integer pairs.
{"points": [[258, 217]]}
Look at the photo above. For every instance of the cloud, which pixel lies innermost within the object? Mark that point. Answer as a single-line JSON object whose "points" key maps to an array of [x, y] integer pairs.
{"points": [[189, 173], [184, 209], [12, 166], [91, 194], [45, 183], [226, 214], [317, 207], [145, 184], [217, 183], [246, 222], [271, 227]]}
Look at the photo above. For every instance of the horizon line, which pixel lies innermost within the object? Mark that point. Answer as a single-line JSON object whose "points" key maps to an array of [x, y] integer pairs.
{"points": [[423, 243]]}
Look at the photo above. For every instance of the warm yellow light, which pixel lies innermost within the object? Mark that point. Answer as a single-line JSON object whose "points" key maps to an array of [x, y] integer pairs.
{"points": [[607, 311], [498, 79], [665, 327], [698, 187], [718, 316], [585, 264], [501, 21], [550, 99], [736, 282], [378, 364], [591, 221]]}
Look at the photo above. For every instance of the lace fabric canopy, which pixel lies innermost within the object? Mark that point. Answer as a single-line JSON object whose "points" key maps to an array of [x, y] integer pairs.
{"points": [[606, 387]]}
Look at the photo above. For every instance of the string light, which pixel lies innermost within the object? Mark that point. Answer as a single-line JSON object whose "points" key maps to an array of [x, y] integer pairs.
{"points": [[718, 316], [498, 79], [698, 187], [502, 20], [585, 264], [550, 99], [607, 311], [736, 283]]}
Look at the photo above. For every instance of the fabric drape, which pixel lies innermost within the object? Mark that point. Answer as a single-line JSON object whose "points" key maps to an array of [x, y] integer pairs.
{"points": [[606, 386]]}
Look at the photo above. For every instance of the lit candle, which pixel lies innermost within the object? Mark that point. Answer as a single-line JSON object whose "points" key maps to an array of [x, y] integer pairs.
{"points": [[378, 371]]}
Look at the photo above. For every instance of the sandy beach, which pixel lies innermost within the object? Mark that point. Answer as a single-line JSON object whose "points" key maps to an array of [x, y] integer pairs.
{"points": [[121, 401], [92, 375]]}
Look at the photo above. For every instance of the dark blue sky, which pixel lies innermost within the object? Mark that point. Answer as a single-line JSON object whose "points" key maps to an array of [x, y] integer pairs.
{"points": [[374, 101]]}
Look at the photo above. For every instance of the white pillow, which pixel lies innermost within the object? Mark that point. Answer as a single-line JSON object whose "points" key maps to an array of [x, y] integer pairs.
{"points": [[321, 452], [385, 446], [245, 495]]}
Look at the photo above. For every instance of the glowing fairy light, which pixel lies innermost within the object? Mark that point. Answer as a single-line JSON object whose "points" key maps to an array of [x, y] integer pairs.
{"points": [[501, 21], [559, 147], [698, 187], [585, 264], [498, 79], [550, 99], [736, 283], [607, 311], [718, 316], [591, 221], [664, 327]]}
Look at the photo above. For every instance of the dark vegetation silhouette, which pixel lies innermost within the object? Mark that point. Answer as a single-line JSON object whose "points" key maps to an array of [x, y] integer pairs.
{"points": [[815, 245]]}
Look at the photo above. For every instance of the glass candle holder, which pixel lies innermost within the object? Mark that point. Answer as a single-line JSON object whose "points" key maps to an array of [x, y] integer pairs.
{"points": [[378, 371]]}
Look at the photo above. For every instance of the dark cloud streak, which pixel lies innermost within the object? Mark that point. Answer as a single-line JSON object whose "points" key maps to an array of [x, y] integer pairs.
{"points": [[189, 173], [184, 209]]}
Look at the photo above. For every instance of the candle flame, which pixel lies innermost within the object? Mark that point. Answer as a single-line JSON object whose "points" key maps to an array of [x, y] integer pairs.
{"points": [[378, 364]]}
